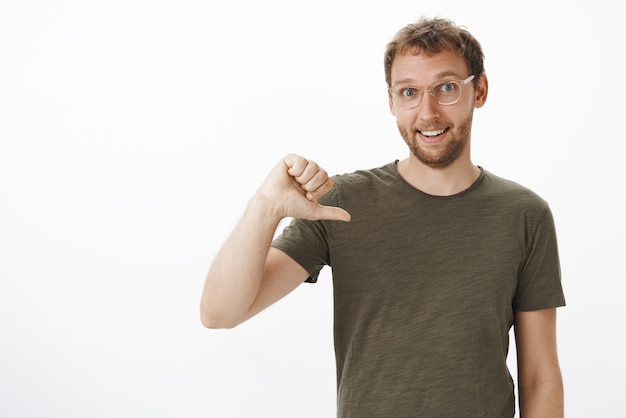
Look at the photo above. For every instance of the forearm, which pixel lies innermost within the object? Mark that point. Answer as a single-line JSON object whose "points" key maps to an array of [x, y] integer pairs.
{"points": [[542, 399], [236, 274], [242, 279]]}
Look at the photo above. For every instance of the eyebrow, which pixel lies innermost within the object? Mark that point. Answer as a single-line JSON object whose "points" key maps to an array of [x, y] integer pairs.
{"points": [[439, 76]]}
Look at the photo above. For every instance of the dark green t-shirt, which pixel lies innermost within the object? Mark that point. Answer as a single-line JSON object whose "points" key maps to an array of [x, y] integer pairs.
{"points": [[425, 289]]}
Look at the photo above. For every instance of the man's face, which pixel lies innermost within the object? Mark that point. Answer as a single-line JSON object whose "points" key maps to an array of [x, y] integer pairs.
{"points": [[437, 135]]}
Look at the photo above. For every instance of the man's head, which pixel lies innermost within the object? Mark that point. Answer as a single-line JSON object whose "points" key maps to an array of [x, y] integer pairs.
{"points": [[435, 75], [431, 36]]}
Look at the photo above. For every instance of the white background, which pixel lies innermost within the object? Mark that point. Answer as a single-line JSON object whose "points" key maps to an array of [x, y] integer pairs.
{"points": [[133, 132]]}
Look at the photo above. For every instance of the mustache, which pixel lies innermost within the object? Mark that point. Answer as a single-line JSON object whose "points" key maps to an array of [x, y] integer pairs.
{"points": [[432, 127]]}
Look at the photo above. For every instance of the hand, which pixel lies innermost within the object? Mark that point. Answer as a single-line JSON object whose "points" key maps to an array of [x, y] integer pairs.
{"points": [[294, 186]]}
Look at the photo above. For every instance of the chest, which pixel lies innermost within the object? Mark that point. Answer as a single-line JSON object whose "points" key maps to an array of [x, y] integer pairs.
{"points": [[417, 255]]}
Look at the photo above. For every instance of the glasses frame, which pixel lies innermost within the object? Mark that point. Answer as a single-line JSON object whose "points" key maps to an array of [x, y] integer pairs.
{"points": [[430, 91]]}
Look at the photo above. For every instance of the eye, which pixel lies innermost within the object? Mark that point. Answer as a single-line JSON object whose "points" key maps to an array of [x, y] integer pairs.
{"points": [[446, 88], [408, 92]]}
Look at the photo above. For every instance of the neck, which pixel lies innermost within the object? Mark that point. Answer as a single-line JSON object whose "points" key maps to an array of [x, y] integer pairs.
{"points": [[446, 181]]}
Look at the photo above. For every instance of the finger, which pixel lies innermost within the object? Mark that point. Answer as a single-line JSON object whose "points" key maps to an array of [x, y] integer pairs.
{"points": [[312, 173], [331, 213], [305, 171], [318, 186], [295, 164]]}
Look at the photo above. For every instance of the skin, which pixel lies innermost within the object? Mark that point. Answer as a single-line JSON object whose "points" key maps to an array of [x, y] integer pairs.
{"points": [[540, 383], [236, 291], [440, 165]]}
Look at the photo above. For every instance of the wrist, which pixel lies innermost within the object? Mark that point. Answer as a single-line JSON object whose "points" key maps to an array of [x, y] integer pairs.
{"points": [[265, 209]]}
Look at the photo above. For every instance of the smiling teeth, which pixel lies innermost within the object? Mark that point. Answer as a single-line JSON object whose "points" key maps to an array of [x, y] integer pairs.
{"points": [[433, 133]]}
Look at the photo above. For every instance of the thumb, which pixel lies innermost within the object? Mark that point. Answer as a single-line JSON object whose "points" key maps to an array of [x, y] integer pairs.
{"points": [[331, 213]]}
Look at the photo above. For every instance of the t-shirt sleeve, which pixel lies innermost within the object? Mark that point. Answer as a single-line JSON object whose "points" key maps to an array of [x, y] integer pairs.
{"points": [[306, 243], [539, 282]]}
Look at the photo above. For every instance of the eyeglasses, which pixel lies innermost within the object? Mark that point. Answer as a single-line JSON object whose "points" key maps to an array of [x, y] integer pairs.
{"points": [[445, 92]]}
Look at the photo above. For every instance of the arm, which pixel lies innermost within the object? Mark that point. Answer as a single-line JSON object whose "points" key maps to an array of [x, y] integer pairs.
{"points": [[539, 373], [247, 275]]}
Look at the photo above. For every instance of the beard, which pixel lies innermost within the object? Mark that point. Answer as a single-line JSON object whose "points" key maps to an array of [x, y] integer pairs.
{"points": [[447, 153]]}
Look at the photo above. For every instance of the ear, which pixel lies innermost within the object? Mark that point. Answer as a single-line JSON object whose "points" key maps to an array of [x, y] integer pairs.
{"points": [[392, 107], [482, 87]]}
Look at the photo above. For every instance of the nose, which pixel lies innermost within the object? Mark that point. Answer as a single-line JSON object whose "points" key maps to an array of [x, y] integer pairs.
{"points": [[428, 108]]}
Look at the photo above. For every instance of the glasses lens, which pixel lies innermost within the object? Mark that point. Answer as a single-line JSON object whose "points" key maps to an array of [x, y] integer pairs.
{"points": [[407, 97], [447, 92]]}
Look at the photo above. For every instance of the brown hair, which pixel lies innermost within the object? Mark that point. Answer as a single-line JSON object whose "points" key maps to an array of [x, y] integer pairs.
{"points": [[430, 36]]}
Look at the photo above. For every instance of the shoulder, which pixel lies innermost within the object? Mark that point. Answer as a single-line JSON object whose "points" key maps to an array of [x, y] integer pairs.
{"points": [[364, 185], [510, 203], [511, 191], [369, 180], [382, 174]]}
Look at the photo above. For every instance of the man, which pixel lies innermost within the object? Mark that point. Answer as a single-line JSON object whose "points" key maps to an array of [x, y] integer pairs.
{"points": [[434, 259]]}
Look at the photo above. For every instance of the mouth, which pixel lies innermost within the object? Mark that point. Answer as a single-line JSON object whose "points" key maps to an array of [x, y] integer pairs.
{"points": [[434, 135], [431, 134]]}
